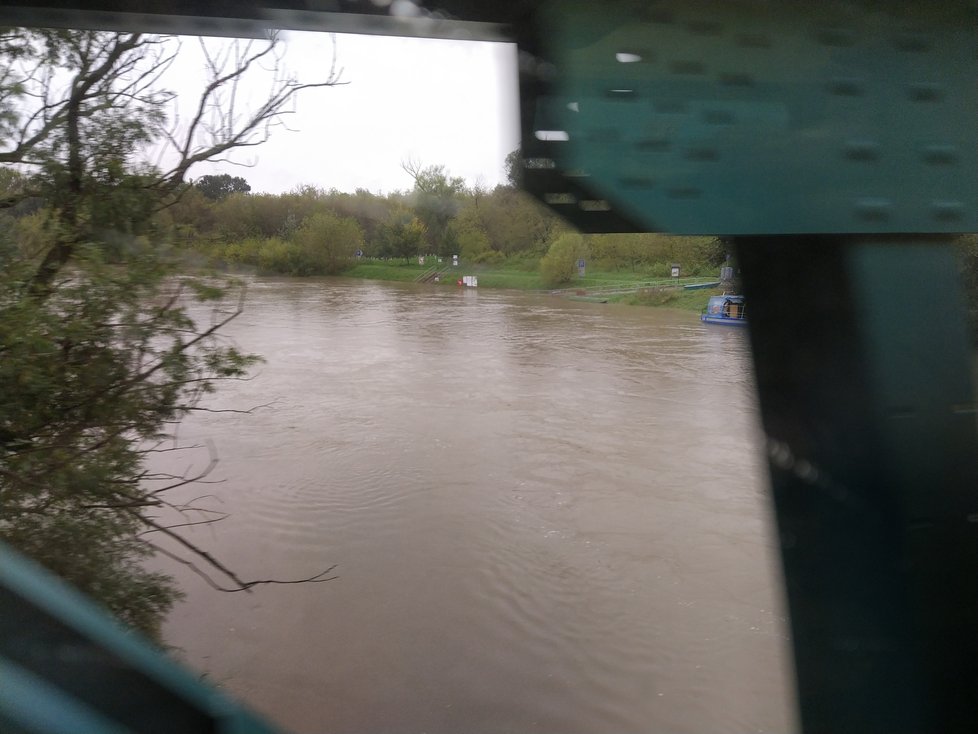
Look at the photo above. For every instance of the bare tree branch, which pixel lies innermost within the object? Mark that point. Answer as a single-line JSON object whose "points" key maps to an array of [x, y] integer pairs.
{"points": [[240, 584], [216, 125], [247, 411]]}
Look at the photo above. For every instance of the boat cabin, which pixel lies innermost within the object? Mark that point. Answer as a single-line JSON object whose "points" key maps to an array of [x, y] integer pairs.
{"points": [[725, 309]]}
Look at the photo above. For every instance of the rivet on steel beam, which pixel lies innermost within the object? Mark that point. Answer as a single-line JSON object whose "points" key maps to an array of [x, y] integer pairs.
{"points": [[947, 211], [940, 155], [841, 37], [734, 79], [636, 182], [912, 42], [671, 107], [874, 209], [659, 16], [862, 150], [847, 87], [656, 145], [705, 27], [754, 40], [719, 117], [926, 92], [603, 135], [702, 154], [687, 67], [684, 192]]}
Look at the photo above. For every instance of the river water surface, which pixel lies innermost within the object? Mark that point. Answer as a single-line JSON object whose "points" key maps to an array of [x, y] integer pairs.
{"points": [[547, 516]]}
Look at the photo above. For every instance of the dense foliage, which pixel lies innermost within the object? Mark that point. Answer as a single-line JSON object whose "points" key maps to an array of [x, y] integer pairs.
{"points": [[92, 379], [440, 215], [559, 265], [221, 186], [100, 352]]}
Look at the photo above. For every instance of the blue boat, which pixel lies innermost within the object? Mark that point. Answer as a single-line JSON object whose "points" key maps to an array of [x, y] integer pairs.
{"points": [[727, 310]]}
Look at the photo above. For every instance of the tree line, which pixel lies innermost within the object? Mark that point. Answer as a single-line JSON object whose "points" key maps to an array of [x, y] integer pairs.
{"points": [[315, 231]]}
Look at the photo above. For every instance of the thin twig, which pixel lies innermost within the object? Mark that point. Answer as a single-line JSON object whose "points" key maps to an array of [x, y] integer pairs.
{"points": [[242, 585]]}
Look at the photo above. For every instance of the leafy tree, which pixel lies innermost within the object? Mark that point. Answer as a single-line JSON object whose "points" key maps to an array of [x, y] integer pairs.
{"points": [[191, 217], [472, 242], [92, 377], [220, 187], [368, 209], [559, 265], [329, 242], [100, 353], [235, 218], [515, 222], [403, 235], [436, 199]]}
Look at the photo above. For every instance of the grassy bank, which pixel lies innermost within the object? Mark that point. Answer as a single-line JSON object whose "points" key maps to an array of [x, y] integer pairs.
{"points": [[386, 270], [518, 273], [517, 278], [671, 298]]}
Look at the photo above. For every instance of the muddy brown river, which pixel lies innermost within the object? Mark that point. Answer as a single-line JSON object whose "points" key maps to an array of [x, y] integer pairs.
{"points": [[547, 515]]}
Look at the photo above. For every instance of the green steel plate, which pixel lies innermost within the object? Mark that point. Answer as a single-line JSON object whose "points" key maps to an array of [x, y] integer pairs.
{"points": [[752, 117]]}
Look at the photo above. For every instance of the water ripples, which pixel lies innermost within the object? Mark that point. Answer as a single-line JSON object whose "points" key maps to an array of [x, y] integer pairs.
{"points": [[546, 514]]}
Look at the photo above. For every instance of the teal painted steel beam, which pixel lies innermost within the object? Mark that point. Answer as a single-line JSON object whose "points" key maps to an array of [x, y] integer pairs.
{"points": [[751, 117], [92, 668], [30, 705], [863, 370]]}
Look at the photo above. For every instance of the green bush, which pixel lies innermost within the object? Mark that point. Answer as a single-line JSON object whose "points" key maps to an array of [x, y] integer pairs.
{"points": [[279, 257], [472, 243], [559, 265], [326, 244], [660, 270], [526, 261], [489, 257]]}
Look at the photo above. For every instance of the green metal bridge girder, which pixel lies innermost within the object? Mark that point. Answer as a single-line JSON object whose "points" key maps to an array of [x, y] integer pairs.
{"points": [[65, 666], [748, 117]]}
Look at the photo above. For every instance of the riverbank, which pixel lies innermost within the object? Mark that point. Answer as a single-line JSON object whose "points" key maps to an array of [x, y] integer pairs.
{"points": [[647, 291], [670, 298]]}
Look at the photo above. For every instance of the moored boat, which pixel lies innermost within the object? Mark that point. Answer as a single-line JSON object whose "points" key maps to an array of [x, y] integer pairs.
{"points": [[726, 309]]}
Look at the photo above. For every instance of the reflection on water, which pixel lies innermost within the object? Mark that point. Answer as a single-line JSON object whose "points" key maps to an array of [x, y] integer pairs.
{"points": [[548, 517]]}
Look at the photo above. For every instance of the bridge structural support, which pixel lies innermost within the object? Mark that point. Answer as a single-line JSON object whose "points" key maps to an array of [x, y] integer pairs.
{"points": [[863, 368]]}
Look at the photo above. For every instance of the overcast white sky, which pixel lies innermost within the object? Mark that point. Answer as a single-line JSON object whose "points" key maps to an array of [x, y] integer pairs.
{"points": [[452, 103]]}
